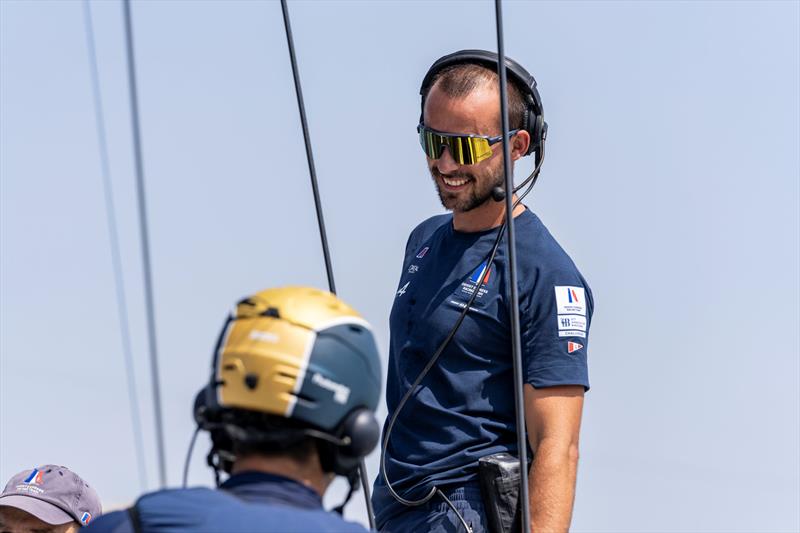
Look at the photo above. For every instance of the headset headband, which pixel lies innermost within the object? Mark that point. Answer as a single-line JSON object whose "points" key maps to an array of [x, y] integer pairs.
{"points": [[534, 120]]}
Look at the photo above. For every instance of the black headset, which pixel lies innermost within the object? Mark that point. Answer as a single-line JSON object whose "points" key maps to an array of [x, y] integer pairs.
{"points": [[341, 450], [533, 121]]}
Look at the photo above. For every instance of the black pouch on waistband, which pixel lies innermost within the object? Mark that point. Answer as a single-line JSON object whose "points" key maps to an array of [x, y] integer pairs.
{"points": [[499, 480]]}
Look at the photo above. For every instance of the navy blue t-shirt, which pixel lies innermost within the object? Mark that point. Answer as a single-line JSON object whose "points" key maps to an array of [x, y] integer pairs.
{"points": [[464, 408], [249, 501]]}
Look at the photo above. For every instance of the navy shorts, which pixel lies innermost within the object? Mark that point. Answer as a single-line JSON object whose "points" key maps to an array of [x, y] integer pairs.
{"points": [[437, 517]]}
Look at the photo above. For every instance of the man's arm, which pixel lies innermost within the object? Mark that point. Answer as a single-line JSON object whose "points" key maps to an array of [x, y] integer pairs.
{"points": [[553, 419]]}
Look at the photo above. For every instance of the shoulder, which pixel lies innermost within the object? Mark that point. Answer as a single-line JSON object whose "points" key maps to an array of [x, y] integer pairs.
{"points": [[202, 509], [114, 522], [540, 249], [428, 227], [543, 263]]}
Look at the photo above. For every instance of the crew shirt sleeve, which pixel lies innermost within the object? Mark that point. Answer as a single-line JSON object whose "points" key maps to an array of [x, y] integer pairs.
{"points": [[555, 329], [115, 522]]}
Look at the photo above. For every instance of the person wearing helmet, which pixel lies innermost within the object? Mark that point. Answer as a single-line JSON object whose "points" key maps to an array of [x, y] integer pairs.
{"points": [[290, 404]]}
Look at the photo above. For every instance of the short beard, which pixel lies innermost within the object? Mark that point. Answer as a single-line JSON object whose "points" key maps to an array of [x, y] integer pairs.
{"points": [[480, 193]]}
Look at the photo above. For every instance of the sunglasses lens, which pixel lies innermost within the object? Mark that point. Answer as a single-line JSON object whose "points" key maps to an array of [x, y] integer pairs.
{"points": [[463, 149]]}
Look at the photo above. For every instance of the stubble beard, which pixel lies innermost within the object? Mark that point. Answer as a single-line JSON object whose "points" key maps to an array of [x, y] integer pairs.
{"points": [[480, 189]]}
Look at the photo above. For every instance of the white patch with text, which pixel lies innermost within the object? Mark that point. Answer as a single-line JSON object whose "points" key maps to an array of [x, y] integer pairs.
{"points": [[576, 322], [580, 334], [570, 300]]}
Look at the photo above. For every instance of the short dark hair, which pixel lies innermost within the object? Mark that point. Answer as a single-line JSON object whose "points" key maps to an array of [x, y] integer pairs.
{"points": [[255, 433], [458, 81]]}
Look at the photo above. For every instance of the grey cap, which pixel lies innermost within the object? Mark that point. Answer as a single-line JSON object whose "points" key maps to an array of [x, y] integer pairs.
{"points": [[53, 494]]}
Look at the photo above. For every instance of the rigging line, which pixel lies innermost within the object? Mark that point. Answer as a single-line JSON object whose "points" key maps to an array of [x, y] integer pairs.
{"points": [[512, 270], [322, 233], [148, 282], [309, 154], [116, 259]]}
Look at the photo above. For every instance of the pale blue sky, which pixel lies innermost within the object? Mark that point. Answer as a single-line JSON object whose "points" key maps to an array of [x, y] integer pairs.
{"points": [[671, 179]]}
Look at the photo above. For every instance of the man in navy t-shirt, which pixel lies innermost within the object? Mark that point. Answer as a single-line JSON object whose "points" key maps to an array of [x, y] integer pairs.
{"points": [[464, 407]]}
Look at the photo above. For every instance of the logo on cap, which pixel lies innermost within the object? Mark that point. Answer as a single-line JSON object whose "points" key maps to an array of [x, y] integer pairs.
{"points": [[86, 518], [35, 477]]}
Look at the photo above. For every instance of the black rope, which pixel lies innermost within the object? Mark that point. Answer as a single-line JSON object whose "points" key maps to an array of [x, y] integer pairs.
{"points": [[148, 283], [320, 220], [309, 154], [512, 270], [116, 261]]}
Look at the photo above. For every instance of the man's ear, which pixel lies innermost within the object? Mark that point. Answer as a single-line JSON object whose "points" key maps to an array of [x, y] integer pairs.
{"points": [[519, 144]]}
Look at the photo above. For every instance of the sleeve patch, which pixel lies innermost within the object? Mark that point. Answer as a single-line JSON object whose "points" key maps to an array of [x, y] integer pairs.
{"points": [[570, 300]]}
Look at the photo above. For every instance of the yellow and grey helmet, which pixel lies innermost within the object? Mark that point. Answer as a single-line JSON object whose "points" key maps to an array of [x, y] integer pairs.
{"points": [[300, 353]]}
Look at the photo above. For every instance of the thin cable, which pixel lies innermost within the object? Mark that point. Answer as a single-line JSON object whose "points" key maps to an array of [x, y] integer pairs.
{"points": [[148, 282], [309, 154], [362, 472], [116, 261], [189, 457], [320, 220], [512, 270]]}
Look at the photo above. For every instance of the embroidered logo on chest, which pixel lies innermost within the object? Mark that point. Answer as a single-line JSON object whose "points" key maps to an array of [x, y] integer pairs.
{"points": [[479, 281]]}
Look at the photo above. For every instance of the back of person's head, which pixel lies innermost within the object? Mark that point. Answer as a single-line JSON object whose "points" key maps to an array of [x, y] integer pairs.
{"points": [[296, 372], [46, 499]]}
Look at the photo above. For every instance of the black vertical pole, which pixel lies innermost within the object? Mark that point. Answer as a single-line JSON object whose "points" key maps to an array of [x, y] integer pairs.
{"points": [[512, 271], [309, 154], [320, 220]]}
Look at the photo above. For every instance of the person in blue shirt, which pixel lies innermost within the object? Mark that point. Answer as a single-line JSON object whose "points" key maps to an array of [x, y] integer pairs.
{"points": [[290, 404], [463, 409]]}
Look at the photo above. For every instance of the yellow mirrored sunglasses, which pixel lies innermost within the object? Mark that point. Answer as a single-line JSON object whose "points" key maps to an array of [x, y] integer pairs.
{"points": [[465, 149]]}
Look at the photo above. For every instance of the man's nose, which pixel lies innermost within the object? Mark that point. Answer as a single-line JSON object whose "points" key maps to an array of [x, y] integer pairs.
{"points": [[446, 163]]}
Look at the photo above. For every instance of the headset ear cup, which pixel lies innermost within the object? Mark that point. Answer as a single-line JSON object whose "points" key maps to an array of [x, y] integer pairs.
{"points": [[201, 409], [363, 431], [537, 133]]}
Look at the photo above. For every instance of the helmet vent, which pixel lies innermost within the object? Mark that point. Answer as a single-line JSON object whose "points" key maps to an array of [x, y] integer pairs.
{"points": [[251, 380]]}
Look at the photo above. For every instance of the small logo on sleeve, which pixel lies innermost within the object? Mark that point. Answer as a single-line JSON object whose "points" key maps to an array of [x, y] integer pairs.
{"points": [[570, 300], [422, 252], [573, 346]]}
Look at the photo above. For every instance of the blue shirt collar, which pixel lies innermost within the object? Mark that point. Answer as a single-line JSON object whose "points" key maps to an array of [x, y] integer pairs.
{"points": [[263, 487]]}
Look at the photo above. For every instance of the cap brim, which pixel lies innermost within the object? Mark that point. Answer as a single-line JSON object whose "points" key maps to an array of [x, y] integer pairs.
{"points": [[44, 511]]}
